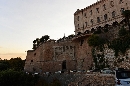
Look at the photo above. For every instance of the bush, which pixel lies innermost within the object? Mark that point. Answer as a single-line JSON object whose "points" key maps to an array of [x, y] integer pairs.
{"points": [[15, 78]]}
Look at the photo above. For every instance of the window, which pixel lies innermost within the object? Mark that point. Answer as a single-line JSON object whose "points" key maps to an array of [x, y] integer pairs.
{"points": [[91, 12], [98, 19], [122, 9], [81, 43], [34, 54], [85, 15], [120, 1], [105, 17], [78, 18], [86, 24], [92, 21], [112, 3], [97, 10], [104, 7], [113, 14], [78, 26]]}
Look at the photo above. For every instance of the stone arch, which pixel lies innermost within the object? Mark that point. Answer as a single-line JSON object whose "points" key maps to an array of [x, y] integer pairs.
{"points": [[98, 28], [79, 33], [115, 23], [87, 31], [106, 26], [92, 30]]}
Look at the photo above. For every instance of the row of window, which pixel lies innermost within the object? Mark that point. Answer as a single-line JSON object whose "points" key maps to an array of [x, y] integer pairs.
{"points": [[104, 8], [105, 18]]}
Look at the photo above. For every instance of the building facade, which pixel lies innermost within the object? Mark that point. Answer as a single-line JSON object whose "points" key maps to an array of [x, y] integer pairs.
{"points": [[99, 14]]}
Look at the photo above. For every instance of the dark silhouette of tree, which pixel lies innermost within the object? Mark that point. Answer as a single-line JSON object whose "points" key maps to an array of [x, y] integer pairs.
{"points": [[37, 41], [46, 37], [4, 64], [16, 64], [42, 39], [17, 78]]}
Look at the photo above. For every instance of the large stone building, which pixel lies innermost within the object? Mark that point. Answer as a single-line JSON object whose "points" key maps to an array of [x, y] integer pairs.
{"points": [[99, 14], [73, 52]]}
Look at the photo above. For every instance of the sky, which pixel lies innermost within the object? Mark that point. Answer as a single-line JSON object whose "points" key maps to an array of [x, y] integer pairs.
{"points": [[22, 21]]}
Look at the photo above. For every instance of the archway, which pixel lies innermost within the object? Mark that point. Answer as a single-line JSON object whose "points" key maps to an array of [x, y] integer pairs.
{"points": [[64, 65], [87, 31], [92, 30]]}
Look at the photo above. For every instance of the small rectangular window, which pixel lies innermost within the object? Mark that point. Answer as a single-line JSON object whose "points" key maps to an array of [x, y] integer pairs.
{"points": [[98, 19], [97, 10], [120, 1], [104, 7], [91, 12], [34, 54], [78, 18], [91, 21], [105, 17], [81, 42], [122, 9], [113, 14], [86, 24]]}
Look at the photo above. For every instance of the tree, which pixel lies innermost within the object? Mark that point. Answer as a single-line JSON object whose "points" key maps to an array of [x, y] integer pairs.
{"points": [[17, 78], [17, 64], [38, 41], [95, 40], [126, 14], [4, 65], [42, 39], [46, 37]]}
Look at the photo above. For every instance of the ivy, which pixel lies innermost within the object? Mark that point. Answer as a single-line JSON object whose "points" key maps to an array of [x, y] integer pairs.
{"points": [[95, 40]]}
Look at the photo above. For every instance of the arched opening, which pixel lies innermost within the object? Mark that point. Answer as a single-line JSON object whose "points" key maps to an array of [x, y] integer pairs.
{"points": [[64, 65], [79, 33], [115, 23], [87, 31], [92, 30]]}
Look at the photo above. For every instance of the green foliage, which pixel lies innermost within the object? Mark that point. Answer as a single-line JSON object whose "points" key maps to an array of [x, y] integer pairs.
{"points": [[99, 60], [120, 44], [16, 64], [16, 78], [98, 31], [4, 65], [126, 14], [122, 32], [95, 40]]}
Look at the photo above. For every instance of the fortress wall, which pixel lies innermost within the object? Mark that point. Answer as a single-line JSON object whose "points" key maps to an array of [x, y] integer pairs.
{"points": [[83, 53]]}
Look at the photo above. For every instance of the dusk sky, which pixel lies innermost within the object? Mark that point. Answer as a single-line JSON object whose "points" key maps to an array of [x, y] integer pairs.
{"points": [[22, 21]]}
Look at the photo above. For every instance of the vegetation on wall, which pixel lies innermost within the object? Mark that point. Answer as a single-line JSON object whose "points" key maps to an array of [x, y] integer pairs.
{"points": [[122, 43], [38, 41], [95, 40], [98, 44], [119, 45]]}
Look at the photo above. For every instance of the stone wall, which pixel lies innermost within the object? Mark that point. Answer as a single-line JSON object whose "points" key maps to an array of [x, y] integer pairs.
{"points": [[95, 80], [83, 52], [49, 56]]}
